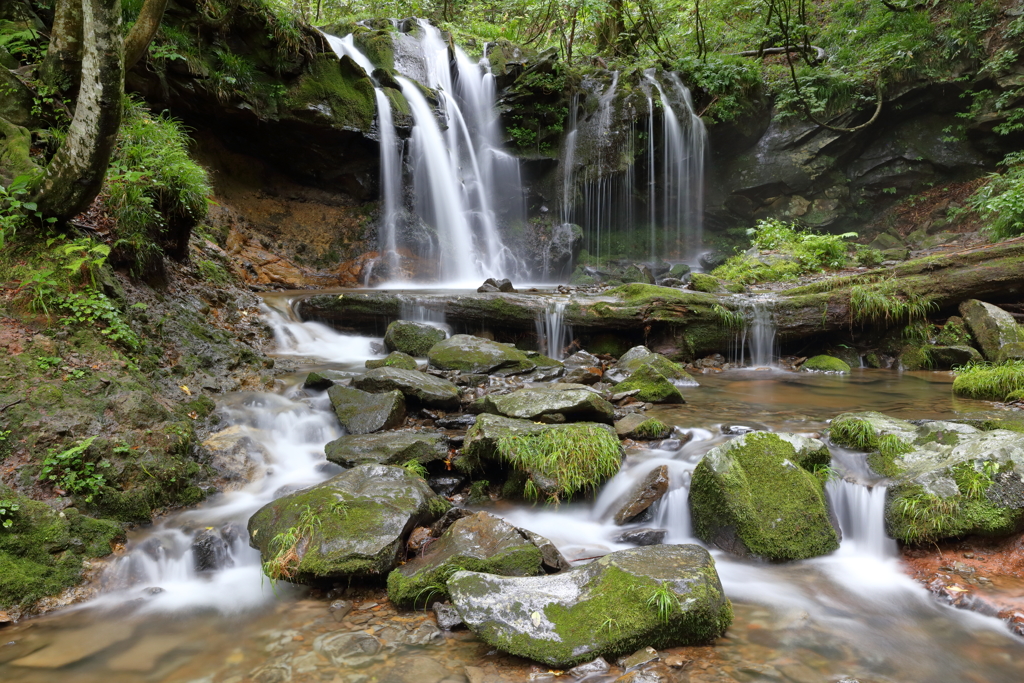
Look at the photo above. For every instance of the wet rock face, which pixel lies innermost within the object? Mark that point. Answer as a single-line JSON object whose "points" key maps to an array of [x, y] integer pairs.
{"points": [[236, 456], [387, 448], [639, 356], [756, 495], [639, 426], [361, 412], [549, 405], [992, 328], [651, 386], [469, 354], [352, 525], [412, 338], [480, 542], [425, 389], [395, 359], [641, 496], [606, 608]]}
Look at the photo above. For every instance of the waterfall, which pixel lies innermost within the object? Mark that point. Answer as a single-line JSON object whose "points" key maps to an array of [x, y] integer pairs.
{"points": [[861, 513], [552, 332], [757, 339]]}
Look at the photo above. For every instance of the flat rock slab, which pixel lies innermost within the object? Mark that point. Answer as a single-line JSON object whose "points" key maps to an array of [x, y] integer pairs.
{"points": [[362, 519], [549, 405], [387, 448], [361, 412], [469, 354], [77, 644], [605, 608], [425, 389]]}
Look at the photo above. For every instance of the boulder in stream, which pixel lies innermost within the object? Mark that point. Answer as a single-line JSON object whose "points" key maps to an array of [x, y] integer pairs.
{"points": [[479, 543], [412, 338], [469, 354], [991, 326], [641, 427], [825, 363], [658, 596], [640, 356], [651, 386], [763, 494], [395, 359], [387, 448], [361, 412], [425, 389], [352, 525], [549, 405], [644, 493]]}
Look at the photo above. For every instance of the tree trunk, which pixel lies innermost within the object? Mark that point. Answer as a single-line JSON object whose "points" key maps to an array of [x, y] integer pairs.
{"points": [[75, 175], [142, 32], [63, 63]]}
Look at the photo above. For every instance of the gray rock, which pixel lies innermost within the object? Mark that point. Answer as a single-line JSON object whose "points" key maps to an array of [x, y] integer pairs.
{"points": [[236, 456], [948, 357], [412, 338], [211, 550], [425, 389], [487, 288], [474, 355], [551, 557], [581, 359], [639, 426], [395, 359], [991, 327], [585, 375], [639, 658], [362, 519], [446, 484], [598, 666], [644, 536], [554, 619], [355, 649], [447, 616], [325, 379], [574, 405], [387, 448], [641, 495], [339, 609], [361, 412], [638, 356]]}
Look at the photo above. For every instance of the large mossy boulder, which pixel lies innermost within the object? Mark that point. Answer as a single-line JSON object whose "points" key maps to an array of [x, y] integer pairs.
{"points": [[427, 390], [558, 460], [473, 355], [478, 543], [352, 525], [991, 327], [758, 495], [361, 412], [412, 338], [651, 386], [658, 596], [825, 363], [387, 448], [640, 356], [549, 405]]}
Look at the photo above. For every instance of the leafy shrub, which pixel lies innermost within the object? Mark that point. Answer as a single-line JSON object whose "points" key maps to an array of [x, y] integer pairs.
{"points": [[785, 252], [70, 471], [1000, 202]]}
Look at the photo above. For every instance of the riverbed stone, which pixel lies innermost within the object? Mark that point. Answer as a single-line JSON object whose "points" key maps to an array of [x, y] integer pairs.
{"points": [[236, 455], [756, 496], [480, 543], [644, 493], [824, 363], [641, 427], [412, 338], [643, 536], [551, 557], [355, 649], [991, 327], [640, 356], [549, 405], [352, 525], [651, 386], [361, 412], [469, 354], [948, 357], [395, 359], [597, 610], [387, 448], [427, 390], [323, 380]]}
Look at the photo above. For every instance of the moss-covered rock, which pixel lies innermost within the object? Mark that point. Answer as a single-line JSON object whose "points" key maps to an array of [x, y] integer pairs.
{"points": [[757, 495], [387, 448], [653, 387], [657, 596], [336, 89], [641, 427], [826, 364], [395, 359], [470, 354], [949, 357], [41, 552], [325, 379], [559, 460], [419, 387], [352, 525], [639, 356], [991, 327], [478, 543], [989, 382], [412, 338], [361, 412], [703, 282], [548, 405]]}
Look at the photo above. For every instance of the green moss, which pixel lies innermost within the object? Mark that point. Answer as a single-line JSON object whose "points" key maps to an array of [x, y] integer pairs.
{"points": [[702, 282], [395, 359], [989, 382], [378, 48], [826, 364], [638, 292], [884, 460], [778, 511], [916, 357], [342, 87], [478, 493], [853, 432], [654, 387], [652, 428]]}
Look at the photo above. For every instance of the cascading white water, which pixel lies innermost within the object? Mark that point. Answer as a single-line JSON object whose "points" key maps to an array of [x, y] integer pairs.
{"points": [[758, 338], [553, 333], [861, 513]]}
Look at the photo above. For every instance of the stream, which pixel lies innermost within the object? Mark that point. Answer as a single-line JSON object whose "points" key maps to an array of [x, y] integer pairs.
{"points": [[851, 615]]}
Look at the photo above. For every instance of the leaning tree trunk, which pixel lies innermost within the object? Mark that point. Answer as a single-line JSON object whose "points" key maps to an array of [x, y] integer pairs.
{"points": [[142, 32], [75, 175], [63, 62]]}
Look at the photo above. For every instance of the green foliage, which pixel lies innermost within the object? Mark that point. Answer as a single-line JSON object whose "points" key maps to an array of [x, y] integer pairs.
{"points": [[415, 467], [94, 307], [854, 433], [1000, 201], [785, 252], [665, 601], [989, 381], [285, 547], [69, 470], [889, 448], [7, 509], [882, 303], [16, 211]]}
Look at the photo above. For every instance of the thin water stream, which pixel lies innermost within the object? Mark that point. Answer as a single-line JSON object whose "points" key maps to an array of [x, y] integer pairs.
{"points": [[852, 614]]}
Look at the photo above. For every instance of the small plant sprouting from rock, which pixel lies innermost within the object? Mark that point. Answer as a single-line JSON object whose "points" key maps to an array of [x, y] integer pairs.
{"points": [[288, 545], [7, 510], [664, 600], [854, 433], [882, 303], [416, 467], [69, 471]]}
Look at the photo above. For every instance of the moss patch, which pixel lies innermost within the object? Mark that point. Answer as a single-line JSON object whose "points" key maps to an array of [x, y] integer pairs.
{"points": [[337, 89], [653, 386], [826, 364], [990, 382]]}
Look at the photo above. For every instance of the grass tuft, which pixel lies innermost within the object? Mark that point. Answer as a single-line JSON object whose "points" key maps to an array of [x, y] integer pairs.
{"points": [[989, 381]]}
